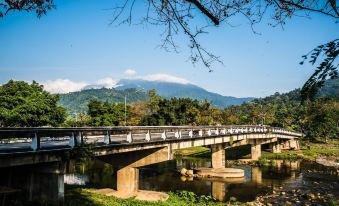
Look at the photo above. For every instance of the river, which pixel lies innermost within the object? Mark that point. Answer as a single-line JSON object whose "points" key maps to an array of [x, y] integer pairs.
{"points": [[23, 185]]}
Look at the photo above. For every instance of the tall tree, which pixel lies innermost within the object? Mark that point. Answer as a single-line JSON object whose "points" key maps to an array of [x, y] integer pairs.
{"points": [[106, 114], [27, 105]]}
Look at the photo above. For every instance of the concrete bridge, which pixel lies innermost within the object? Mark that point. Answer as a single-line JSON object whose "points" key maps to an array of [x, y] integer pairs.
{"points": [[131, 147]]}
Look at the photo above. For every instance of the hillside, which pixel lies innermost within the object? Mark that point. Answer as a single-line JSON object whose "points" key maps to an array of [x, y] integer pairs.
{"points": [[136, 90], [330, 88], [168, 90], [77, 101]]}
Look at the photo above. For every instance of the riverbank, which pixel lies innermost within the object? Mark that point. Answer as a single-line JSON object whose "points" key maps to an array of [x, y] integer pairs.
{"points": [[85, 196], [310, 151]]}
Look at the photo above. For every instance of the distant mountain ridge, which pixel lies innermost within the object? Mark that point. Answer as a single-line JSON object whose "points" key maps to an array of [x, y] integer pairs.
{"points": [[169, 90], [136, 90]]}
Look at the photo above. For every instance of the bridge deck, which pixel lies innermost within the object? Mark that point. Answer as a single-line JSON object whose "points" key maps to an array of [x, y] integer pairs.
{"points": [[27, 140]]}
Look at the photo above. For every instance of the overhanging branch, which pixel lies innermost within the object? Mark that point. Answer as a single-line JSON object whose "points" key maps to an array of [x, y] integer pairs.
{"points": [[214, 19]]}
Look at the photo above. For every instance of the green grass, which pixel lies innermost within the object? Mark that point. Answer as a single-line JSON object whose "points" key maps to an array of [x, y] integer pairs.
{"points": [[309, 151], [85, 197], [197, 152]]}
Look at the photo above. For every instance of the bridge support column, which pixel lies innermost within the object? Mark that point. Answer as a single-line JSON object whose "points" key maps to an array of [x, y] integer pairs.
{"points": [[294, 144], [255, 151], [218, 156], [276, 148], [128, 180]]}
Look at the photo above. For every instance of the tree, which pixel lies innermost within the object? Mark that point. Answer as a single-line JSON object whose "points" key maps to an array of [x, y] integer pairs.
{"points": [[28, 105], [327, 69], [40, 7], [106, 114], [322, 118]]}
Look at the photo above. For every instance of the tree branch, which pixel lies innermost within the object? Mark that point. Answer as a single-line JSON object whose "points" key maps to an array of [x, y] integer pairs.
{"points": [[214, 19]]}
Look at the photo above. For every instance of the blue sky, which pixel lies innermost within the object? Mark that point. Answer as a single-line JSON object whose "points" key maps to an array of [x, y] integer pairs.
{"points": [[74, 45]]}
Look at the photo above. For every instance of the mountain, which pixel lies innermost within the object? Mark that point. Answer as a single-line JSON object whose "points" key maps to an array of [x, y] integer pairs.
{"points": [[77, 101], [136, 90], [330, 88], [169, 90]]}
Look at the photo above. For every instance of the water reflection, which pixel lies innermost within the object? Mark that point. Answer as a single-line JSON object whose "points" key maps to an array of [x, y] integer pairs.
{"points": [[40, 184]]}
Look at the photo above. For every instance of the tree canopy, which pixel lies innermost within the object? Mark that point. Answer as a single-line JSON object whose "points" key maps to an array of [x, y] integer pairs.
{"points": [[106, 114], [28, 105]]}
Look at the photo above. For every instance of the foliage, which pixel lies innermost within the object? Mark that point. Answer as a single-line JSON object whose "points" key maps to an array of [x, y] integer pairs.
{"points": [[201, 152], [316, 119], [106, 114], [322, 118], [191, 197], [40, 7], [309, 151], [77, 102], [174, 111], [326, 69], [80, 120], [87, 197], [28, 105]]}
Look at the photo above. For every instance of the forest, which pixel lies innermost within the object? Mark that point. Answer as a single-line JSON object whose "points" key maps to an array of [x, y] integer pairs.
{"points": [[28, 105]]}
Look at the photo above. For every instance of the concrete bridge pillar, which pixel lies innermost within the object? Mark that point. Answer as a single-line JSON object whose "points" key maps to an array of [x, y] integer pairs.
{"points": [[255, 151], [128, 180], [294, 144], [276, 148], [218, 156]]}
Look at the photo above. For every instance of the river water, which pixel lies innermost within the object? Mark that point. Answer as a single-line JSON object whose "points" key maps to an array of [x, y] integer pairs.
{"points": [[23, 185]]}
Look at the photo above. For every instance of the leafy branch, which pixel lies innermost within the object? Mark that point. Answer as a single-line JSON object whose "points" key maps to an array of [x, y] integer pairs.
{"points": [[327, 69]]}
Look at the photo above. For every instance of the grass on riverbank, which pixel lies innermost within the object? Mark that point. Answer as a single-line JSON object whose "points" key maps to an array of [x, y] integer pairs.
{"points": [[309, 151], [85, 197], [198, 152]]}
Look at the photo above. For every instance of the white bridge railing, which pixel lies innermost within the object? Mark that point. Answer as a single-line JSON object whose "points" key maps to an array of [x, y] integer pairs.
{"points": [[51, 137]]}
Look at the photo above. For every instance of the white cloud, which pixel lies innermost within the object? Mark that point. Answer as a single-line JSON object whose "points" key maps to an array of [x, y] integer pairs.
{"points": [[66, 85], [107, 82], [165, 78], [63, 86], [130, 72]]}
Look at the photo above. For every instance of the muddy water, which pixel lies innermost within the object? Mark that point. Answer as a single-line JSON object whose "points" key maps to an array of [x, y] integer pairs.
{"points": [[21, 185]]}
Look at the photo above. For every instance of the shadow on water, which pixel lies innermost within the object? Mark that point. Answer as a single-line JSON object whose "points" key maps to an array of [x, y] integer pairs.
{"points": [[41, 185], [32, 186]]}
